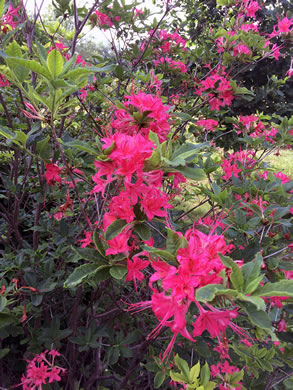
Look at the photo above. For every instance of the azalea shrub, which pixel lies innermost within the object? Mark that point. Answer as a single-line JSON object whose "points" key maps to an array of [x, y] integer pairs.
{"points": [[146, 239]]}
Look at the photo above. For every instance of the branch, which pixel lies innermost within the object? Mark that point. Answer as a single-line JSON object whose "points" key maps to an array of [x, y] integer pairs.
{"points": [[81, 25]]}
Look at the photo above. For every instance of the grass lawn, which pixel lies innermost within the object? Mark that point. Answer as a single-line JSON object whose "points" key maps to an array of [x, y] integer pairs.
{"points": [[283, 163]]}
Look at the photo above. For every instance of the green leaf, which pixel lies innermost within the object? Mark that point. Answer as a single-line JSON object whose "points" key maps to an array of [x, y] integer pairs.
{"points": [[43, 53], [32, 65], [110, 149], [7, 319], [250, 287], [77, 74], [98, 243], [279, 289], [115, 228], [182, 365], [118, 71], [106, 68], [188, 150], [205, 374], [20, 137], [118, 271], [80, 274], [60, 83], [6, 133], [257, 317], [43, 148], [152, 162], [13, 50], [99, 276], [89, 254], [251, 271], [174, 242], [143, 231], [178, 377], [120, 105], [182, 115], [210, 386], [159, 379], [82, 146], [208, 292], [236, 377], [192, 173], [3, 302], [161, 253], [4, 352], [257, 301], [2, 3], [154, 138], [236, 276], [194, 372], [55, 63]]}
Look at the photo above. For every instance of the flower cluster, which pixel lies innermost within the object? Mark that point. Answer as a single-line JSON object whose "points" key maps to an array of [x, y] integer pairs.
{"points": [[3, 81], [144, 113], [255, 128], [42, 370], [166, 46], [217, 89], [236, 48], [7, 21], [171, 64], [127, 151], [237, 162], [104, 20], [168, 41], [222, 371], [207, 124], [199, 264]]}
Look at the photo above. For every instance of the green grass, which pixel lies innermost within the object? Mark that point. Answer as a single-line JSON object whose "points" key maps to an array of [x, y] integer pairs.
{"points": [[283, 162]]}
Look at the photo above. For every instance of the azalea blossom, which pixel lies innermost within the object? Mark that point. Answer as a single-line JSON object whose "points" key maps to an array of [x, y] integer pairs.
{"points": [[134, 268], [42, 370], [52, 174]]}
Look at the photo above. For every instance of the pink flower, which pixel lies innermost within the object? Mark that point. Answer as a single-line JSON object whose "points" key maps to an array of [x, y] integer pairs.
{"points": [[118, 244], [208, 124], [282, 326], [214, 322], [134, 267], [251, 8], [54, 374], [39, 370], [223, 92], [284, 178], [52, 174], [290, 73], [264, 175], [138, 11], [276, 52], [246, 342], [121, 207], [3, 81], [59, 215], [153, 202], [163, 270], [87, 240], [284, 25], [249, 27], [7, 21], [103, 20], [241, 49]]}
